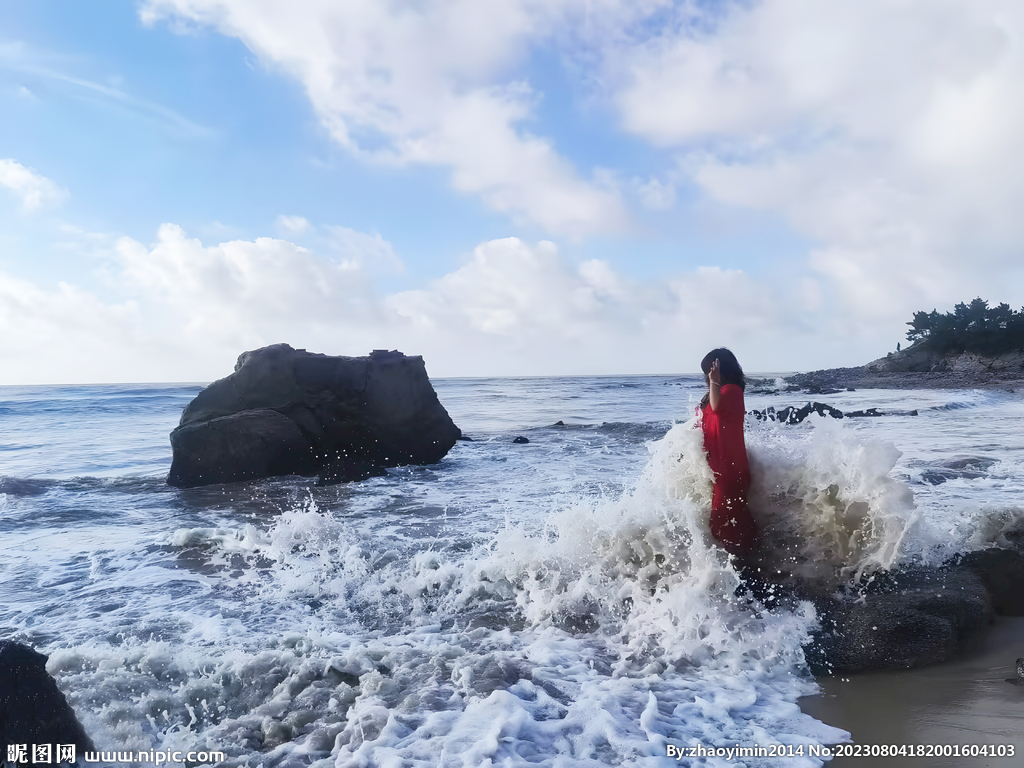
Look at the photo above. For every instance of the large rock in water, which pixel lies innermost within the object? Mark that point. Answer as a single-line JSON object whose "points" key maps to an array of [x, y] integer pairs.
{"points": [[286, 411]]}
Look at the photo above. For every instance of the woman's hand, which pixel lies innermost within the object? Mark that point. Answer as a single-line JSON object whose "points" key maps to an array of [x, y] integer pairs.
{"points": [[715, 374], [715, 385]]}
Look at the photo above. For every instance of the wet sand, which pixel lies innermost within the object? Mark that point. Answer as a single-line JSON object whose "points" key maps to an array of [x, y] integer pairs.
{"points": [[962, 701]]}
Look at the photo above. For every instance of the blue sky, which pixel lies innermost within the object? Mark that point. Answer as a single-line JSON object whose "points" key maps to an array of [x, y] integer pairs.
{"points": [[508, 188], [196, 131]]}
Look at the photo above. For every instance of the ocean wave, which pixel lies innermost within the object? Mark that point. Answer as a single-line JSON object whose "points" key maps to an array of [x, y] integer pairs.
{"points": [[16, 486], [956, 468], [954, 406], [827, 502], [645, 431]]}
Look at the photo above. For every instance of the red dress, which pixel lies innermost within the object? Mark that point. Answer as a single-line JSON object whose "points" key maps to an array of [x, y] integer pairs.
{"points": [[731, 522]]}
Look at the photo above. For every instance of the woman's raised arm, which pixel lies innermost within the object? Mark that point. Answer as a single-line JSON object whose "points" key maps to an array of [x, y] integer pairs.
{"points": [[715, 385]]}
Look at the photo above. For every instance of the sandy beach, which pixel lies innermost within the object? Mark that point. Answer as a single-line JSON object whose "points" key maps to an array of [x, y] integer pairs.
{"points": [[963, 701]]}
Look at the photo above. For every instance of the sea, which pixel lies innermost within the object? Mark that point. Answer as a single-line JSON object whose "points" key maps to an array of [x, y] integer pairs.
{"points": [[555, 602]]}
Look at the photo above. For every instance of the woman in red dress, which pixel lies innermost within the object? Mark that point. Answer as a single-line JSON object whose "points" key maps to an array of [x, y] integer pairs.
{"points": [[722, 413]]}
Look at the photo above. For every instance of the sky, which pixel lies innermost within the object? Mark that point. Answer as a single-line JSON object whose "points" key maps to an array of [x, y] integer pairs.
{"points": [[507, 188]]}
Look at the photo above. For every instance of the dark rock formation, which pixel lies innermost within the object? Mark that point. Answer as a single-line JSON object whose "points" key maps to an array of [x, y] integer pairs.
{"points": [[32, 708], [816, 390], [1002, 572], [921, 358], [521, 440], [909, 619], [793, 415], [285, 411], [867, 413]]}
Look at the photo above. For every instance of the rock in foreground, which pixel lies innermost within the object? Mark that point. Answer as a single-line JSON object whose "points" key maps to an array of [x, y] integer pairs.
{"points": [[911, 619], [912, 615], [33, 711], [285, 411]]}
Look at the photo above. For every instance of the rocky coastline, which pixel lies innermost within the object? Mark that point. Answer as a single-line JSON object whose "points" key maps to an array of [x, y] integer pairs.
{"points": [[919, 367], [913, 616]]}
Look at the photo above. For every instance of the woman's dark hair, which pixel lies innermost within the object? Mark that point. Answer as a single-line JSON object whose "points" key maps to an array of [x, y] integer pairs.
{"points": [[728, 367]]}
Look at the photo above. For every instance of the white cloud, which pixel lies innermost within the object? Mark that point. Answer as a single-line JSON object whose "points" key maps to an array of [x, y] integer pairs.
{"points": [[357, 250], [656, 195], [807, 68], [244, 292], [886, 132], [66, 335], [424, 83], [185, 310], [511, 290], [292, 225], [516, 309], [35, 190], [366, 251]]}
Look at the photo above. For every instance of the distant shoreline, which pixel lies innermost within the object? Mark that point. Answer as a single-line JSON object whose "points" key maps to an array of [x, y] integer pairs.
{"points": [[919, 368], [862, 378]]}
